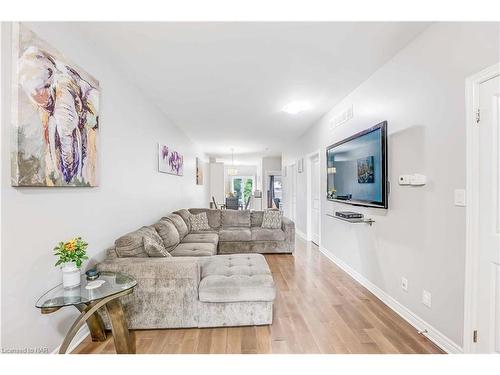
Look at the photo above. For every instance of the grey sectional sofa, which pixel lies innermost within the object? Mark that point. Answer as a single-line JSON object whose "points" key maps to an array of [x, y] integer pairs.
{"points": [[205, 278], [240, 231]]}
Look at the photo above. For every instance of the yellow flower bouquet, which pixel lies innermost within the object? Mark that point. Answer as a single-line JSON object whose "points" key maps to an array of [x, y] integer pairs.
{"points": [[71, 251]]}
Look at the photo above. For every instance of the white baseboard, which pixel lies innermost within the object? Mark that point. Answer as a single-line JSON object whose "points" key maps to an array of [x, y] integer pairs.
{"points": [[438, 338], [300, 234], [82, 333]]}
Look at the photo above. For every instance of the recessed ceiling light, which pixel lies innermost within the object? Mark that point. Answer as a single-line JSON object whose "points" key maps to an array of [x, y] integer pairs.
{"points": [[296, 107]]}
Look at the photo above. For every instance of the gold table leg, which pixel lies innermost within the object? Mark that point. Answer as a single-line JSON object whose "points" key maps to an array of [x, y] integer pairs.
{"points": [[90, 310], [94, 322], [121, 335]]}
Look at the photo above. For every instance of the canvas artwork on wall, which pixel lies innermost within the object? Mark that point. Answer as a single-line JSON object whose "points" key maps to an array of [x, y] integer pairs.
{"points": [[366, 170], [199, 172], [170, 161], [55, 115]]}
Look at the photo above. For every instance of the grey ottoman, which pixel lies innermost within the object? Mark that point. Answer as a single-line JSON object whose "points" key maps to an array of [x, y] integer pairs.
{"points": [[235, 290]]}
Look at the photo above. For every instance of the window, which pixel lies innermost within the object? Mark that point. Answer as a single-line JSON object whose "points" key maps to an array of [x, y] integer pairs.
{"points": [[242, 187]]}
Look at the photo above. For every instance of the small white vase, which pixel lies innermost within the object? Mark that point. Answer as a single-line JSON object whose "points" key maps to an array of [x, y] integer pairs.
{"points": [[71, 275]]}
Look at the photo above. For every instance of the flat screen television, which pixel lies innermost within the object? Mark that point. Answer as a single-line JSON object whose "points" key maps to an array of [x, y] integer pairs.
{"points": [[357, 168]]}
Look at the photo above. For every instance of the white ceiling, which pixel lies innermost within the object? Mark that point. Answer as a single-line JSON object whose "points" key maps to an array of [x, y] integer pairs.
{"points": [[225, 84]]}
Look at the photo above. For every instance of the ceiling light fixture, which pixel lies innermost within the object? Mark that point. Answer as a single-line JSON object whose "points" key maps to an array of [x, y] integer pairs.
{"points": [[296, 107], [232, 171]]}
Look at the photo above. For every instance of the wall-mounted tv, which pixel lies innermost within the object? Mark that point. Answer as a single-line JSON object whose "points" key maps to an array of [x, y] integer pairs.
{"points": [[357, 168]]}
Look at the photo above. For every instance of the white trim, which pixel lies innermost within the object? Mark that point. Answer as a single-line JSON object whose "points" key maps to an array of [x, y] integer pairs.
{"points": [[81, 335], [308, 169], [265, 186], [421, 325], [291, 180], [472, 206]]}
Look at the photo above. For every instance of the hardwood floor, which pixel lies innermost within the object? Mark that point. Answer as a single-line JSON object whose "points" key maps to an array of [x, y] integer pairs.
{"points": [[318, 309]]}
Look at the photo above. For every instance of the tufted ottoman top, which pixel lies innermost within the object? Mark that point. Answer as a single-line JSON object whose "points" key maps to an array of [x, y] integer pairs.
{"points": [[236, 278]]}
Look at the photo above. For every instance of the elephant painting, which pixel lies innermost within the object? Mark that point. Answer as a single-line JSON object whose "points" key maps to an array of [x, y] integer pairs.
{"points": [[57, 113]]}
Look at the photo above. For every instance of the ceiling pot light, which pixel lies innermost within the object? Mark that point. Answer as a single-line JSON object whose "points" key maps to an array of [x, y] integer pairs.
{"points": [[296, 107]]}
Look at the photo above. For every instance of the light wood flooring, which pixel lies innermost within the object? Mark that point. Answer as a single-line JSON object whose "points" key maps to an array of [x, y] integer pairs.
{"points": [[318, 309]]}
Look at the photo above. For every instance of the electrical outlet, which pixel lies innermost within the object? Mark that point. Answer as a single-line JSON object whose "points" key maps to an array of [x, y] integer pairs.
{"points": [[404, 284], [426, 298]]}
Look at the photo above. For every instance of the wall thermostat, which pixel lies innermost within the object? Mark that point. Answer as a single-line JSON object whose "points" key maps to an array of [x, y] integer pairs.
{"points": [[404, 179], [418, 179], [412, 179]]}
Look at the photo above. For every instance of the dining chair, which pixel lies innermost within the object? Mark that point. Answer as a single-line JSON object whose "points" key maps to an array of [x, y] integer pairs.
{"points": [[248, 202]]}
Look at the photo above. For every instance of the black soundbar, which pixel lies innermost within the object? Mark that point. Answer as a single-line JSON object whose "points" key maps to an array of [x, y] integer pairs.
{"points": [[349, 215]]}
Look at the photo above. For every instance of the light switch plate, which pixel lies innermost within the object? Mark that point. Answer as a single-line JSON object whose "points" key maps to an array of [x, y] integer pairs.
{"points": [[460, 197], [427, 298]]}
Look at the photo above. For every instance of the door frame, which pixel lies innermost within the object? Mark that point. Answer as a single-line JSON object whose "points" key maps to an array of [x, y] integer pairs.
{"points": [[472, 85], [265, 186], [293, 198], [307, 168]]}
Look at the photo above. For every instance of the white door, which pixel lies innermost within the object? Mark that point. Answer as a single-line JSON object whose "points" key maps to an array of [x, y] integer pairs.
{"points": [[315, 202], [488, 302]]}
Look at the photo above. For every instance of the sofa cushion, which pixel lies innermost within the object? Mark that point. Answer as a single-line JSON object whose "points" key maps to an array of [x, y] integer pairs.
{"points": [[235, 234], [236, 278], [185, 214], [194, 250], [207, 237], [256, 218], [111, 253], [168, 233], [211, 231], [236, 218], [272, 219], [179, 223], [199, 222], [214, 218], [133, 244], [265, 234]]}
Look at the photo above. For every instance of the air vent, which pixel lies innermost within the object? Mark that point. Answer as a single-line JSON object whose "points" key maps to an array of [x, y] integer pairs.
{"points": [[342, 117]]}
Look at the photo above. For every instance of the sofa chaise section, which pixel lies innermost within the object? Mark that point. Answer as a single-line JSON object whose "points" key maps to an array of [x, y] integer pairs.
{"points": [[235, 290], [183, 292]]}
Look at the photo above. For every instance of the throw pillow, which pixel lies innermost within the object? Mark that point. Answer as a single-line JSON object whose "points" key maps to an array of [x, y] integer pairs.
{"points": [[272, 219], [199, 222], [153, 244]]}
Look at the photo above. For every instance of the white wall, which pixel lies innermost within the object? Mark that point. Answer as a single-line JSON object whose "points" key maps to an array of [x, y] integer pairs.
{"points": [[217, 186], [131, 193], [421, 93]]}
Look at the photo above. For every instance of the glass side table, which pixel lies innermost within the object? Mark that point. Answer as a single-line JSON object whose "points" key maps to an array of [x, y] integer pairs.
{"points": [[88, 301]]}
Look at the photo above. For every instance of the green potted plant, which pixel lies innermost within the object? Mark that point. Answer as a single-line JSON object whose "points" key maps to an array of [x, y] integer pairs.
{"points": [[71, 256]]}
